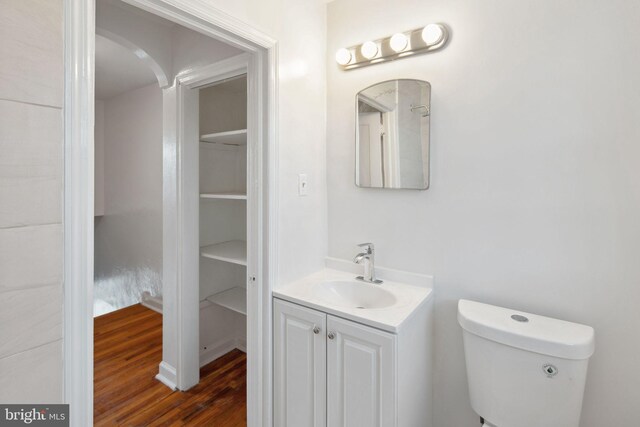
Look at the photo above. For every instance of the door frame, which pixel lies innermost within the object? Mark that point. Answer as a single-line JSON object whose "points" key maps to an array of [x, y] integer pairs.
{"points": [[79, 76], [180, 366]]}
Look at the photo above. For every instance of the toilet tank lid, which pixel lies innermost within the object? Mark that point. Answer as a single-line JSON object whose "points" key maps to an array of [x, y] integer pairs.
{"points": [[527, 331]]}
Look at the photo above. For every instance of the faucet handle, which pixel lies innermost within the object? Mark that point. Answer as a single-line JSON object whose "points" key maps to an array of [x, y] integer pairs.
{"points": [[369, 247]]}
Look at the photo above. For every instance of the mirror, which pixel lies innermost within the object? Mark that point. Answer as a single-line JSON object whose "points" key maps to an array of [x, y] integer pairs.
{"points": [[392, 135]]}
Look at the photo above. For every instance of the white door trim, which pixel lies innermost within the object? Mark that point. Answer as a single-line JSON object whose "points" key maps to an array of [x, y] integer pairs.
{"points": [[79, 54], [79, 30]]}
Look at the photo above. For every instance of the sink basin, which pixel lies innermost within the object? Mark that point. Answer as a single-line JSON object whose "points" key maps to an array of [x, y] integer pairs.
{"points": [[338, 293], [352, 294]]}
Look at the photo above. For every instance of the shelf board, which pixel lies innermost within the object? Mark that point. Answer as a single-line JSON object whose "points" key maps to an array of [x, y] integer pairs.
{"points": [[234, 299], [233, 137], [233, 251], [233, 195]]}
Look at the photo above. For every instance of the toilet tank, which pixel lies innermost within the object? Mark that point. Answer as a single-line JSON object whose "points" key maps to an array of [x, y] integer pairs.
{"points": [[524, 370]]}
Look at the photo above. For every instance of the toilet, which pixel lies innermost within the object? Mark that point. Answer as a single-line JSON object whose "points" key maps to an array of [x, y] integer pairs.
{"points": [[524, 370]]}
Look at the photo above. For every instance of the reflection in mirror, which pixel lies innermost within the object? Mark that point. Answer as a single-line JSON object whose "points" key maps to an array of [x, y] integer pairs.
{"points": [[392, 135]]}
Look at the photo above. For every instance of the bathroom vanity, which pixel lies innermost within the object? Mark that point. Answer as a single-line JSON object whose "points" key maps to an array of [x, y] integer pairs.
{"points": [[350, 353]]}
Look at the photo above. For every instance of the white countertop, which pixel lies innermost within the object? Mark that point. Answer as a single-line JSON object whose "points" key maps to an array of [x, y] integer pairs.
{"points": [[408, 299]]}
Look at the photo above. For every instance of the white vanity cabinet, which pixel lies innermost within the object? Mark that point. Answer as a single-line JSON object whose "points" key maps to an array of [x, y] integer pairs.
{"points": [[334, 372], [361, 375], [300, 366]]}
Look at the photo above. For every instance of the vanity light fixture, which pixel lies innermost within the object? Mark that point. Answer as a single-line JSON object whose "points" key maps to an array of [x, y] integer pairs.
{"points": [[432, 34], [398, 42], [369, 50], [400, 45], [343, 56]]}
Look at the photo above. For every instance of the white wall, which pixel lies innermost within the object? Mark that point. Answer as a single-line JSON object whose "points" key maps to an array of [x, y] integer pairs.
{"points": [[170, 48], [128, 238], [31, 132], [191, 49], [534, 195], [31, 70], [300, 28]]}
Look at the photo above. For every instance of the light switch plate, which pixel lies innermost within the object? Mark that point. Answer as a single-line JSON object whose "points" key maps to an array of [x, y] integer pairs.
{"points": [[303, 186]]}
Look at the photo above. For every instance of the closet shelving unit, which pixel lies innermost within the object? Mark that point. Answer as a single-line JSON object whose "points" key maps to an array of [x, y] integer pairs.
{"points": [[232, 137], [233, 251], [229, 195], [234, 299], [223, 207]]}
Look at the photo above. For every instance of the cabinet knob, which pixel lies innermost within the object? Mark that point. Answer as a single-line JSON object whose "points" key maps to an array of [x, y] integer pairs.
{"points": [[316, 330], [331, 335]]}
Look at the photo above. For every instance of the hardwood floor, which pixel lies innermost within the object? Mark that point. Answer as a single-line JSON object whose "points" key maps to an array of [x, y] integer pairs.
{"points": [[127, 351]]}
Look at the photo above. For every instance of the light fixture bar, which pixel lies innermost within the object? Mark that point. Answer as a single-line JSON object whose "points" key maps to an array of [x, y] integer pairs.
{"points": [[420, 40]]}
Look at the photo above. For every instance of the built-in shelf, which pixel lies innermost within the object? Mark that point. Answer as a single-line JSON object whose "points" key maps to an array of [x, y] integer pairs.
{"points": [[233, 137], [232, 195], [234, 251], [234, 299]]}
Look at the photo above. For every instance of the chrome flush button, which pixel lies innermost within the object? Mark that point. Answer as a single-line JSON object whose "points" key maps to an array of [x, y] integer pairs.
{"points": [[519, 318]]}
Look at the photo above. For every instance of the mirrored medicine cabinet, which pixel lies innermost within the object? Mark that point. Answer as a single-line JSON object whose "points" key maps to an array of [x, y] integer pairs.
{"points": [[392, 135]]}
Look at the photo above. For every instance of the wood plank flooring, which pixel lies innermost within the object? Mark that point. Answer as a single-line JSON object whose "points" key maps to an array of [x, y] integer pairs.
{"points": [[127, 351]]}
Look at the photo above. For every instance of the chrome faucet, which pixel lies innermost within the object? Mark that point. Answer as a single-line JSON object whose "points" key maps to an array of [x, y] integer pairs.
{"points": [[368, 259]]}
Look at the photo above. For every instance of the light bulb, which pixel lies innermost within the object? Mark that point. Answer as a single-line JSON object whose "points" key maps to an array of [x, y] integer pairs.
{"points": [[369, 49], [432, 34], [343, 56], [398, 42]]}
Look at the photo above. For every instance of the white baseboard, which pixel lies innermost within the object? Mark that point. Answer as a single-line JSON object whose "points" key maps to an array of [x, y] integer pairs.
{"points": [[217, 350], [167, 375], [153, 303]]}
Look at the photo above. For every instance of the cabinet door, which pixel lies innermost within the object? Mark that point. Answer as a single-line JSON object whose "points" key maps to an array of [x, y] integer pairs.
{"points": [[361, 375], [300, 366]]}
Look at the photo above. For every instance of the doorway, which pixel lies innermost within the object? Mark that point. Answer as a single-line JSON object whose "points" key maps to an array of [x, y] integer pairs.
{"points": [[79, 195], [128, 179]]}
